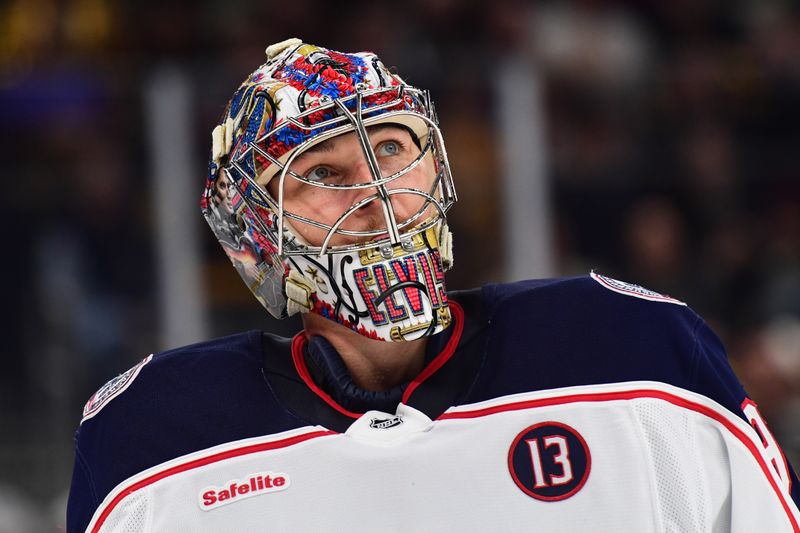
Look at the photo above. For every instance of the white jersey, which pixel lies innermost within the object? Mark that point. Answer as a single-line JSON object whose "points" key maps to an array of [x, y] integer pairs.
{"points": [[625, 456]]}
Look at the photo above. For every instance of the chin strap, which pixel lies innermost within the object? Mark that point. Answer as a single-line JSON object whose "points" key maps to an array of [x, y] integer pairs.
{"points": [[446, 246], [222, 140], [298, 293]]}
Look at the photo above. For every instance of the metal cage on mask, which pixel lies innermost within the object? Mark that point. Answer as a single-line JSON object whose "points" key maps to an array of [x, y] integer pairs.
{"points": [[402, 261], [358, 120]]}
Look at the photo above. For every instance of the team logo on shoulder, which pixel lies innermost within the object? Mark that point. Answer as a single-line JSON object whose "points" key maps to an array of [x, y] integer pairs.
{"points": [[549, 461], [629, 289], [112, 389]]}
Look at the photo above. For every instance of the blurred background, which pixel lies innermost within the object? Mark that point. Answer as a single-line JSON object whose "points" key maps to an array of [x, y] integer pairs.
{"points": [[655, 142]]}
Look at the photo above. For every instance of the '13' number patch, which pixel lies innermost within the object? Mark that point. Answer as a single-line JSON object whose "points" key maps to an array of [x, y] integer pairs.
{"points": [[549, 461]]}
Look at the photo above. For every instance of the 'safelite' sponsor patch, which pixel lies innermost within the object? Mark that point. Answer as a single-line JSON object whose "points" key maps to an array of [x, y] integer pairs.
{"points": [[236, 490]]}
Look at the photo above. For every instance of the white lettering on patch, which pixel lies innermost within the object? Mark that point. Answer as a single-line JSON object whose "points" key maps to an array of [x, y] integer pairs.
{"points": [[111, 390], [236, 489], [629, 289]]}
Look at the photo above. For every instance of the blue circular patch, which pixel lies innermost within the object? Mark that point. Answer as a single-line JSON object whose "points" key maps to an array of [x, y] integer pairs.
{"points": [[549, 461]]}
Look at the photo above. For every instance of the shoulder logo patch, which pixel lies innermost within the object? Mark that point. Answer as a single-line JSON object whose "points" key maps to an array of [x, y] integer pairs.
{"points": [[549, 461], [111, 390], [629, 289]]}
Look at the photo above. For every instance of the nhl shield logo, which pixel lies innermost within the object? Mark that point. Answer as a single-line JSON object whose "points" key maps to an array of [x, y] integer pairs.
{"points": [[385, 423], [549, 461]]}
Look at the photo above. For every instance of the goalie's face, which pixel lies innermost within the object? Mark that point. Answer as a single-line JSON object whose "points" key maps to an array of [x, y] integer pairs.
{"points": [[338, 164]]}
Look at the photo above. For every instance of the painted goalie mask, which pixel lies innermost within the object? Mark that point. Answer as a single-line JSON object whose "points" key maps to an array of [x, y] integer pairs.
{"points": [[361, 239]]}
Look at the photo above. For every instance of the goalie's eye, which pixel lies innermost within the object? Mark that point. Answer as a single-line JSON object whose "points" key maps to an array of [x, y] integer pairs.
{"points": [[388, 148], [318, 173]]}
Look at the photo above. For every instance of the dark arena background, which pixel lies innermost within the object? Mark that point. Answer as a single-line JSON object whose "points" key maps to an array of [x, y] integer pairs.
{"points": [[654, 142]]}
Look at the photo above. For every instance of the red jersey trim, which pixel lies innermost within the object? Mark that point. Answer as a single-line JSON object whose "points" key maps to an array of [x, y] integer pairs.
{"points": [[299, 342], [631, 395], [444, 356], [203, 461]]}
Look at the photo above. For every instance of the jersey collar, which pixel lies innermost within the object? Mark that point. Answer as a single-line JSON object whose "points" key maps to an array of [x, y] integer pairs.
{"points": [[323, 371]]}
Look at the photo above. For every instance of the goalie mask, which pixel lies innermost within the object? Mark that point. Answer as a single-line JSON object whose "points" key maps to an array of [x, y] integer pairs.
{"points": [[328, 188]]}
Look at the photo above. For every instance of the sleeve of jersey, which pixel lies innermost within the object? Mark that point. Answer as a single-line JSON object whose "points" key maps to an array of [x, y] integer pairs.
{"points": [[759, 474], [82, 497]]}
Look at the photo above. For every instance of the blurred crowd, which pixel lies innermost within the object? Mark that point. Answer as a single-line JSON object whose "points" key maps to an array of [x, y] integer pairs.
{"points": [[671, 129]]}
